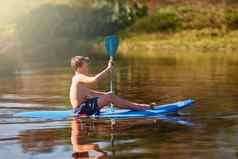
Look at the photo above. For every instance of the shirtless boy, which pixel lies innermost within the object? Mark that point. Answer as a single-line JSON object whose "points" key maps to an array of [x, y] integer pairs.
{"points": [[86, 101]]}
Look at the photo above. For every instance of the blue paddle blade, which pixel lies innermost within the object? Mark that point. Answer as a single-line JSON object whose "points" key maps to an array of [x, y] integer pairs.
{"points": [[111, 45]]}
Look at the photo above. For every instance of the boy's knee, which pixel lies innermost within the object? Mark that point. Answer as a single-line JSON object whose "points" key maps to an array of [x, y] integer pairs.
{"points": [[110, 96]]}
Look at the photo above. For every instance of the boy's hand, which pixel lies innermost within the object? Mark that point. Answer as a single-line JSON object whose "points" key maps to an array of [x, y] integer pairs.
{"points": [[110, 65]]}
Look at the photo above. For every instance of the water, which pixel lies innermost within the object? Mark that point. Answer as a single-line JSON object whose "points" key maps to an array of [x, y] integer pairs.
{"points": [[211, 80]]}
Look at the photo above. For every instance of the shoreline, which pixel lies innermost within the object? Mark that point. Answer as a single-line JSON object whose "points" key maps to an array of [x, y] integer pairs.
{"points": [[190, 41]]}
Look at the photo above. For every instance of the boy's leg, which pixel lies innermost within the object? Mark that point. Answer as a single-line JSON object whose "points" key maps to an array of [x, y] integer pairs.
{"points": [[109, 98]]}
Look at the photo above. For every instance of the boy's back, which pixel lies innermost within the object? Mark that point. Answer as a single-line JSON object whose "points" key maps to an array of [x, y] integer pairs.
{"points": [[79, 91]]}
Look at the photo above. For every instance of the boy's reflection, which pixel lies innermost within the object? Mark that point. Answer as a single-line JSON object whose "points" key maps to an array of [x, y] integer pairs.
{"points": [[84, 151]]}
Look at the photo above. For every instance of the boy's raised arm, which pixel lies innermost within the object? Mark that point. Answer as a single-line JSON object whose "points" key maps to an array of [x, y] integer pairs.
{"points": [[99, 76], [86, 79], [96, 93]]}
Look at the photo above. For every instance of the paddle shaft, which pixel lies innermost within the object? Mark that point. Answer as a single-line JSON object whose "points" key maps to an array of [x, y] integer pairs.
{"points": [[111, 82]]}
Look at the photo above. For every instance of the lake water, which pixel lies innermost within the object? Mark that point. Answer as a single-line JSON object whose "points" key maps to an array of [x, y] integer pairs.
{"points": [[211, 80]]}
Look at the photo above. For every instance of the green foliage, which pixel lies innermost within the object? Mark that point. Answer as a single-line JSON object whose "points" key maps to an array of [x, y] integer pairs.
{"points": [[50, 22], [164, 20], [232, 19], [181, 17], [197, 18]]}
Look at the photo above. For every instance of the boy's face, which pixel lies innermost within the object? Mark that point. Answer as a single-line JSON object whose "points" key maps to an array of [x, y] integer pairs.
{"points": [[84, 68]]}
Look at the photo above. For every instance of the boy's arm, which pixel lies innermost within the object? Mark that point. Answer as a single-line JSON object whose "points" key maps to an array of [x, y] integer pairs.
{"points": [[96, 93], [99, 76], [92, 79]]}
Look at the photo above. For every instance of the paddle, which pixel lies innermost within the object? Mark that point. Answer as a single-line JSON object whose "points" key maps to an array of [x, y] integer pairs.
{"points": [[111, 45]]}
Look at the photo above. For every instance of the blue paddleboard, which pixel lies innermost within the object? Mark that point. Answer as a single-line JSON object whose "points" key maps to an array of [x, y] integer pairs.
{"points": [[107, 113]]}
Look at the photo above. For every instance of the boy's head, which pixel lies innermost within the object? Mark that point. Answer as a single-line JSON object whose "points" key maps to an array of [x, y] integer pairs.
{"points": [[80, 64]]}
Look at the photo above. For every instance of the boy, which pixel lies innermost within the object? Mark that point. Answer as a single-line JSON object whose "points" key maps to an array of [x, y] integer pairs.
{"points": [[88, 102]]}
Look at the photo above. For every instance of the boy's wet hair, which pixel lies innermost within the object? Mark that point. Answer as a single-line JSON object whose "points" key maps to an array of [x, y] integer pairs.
{"points": [[78, 61]]}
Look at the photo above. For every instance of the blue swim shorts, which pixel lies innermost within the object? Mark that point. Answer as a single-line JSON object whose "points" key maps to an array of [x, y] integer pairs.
{"points": [[89, 107]]}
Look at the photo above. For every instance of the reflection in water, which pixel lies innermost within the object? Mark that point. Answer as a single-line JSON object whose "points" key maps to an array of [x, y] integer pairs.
{"points": [[134, 139], [40, 141], [211, 79], [79, 139], [83, 150]]}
